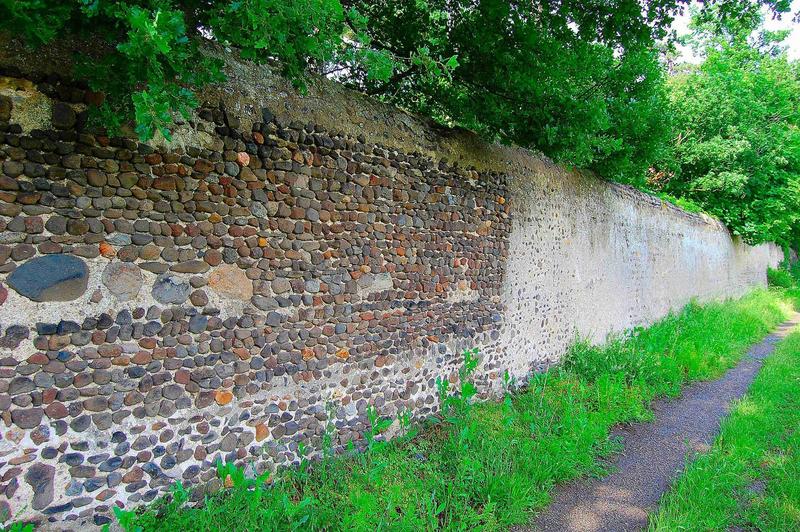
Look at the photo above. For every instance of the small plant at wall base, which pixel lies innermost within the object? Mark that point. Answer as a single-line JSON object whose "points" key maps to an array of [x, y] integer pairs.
{"points": [[487, 465], [19, 527], [780, 277]]}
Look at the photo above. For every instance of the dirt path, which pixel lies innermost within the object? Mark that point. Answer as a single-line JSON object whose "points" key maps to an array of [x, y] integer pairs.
{"points": [[654, 453]]}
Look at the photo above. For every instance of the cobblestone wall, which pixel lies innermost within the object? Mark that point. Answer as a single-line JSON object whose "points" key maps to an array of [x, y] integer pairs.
{"points": [[226, 296]]}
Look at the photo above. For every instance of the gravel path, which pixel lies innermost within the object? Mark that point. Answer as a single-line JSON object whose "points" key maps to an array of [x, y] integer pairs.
{"points": [[654, 453]]}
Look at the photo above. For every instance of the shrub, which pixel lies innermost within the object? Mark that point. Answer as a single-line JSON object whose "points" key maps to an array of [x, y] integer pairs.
{"points": [[779, 277], [794, 270]]}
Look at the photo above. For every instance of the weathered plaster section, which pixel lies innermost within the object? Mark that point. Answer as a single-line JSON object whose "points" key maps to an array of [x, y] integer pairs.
{"points": [[587, 258]]}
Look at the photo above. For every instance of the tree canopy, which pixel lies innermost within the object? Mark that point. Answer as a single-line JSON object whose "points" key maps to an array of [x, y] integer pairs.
{"points": [[736, 140], [581, 81]]}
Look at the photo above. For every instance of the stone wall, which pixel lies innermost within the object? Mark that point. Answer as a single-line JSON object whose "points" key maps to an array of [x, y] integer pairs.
{"points": [[286, 263]]}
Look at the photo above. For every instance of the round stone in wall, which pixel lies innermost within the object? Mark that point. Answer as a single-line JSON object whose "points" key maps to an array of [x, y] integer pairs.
{"points": [[170, 290], [51, 278], [258, 210], [123, 279], [230, 281]]}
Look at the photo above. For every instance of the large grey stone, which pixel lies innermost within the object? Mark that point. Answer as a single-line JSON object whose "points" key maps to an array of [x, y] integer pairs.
{"points": [[231, 282], [258, 210], [27, 418], [123, 279], [118, 239], [170, 290], [63, 116], [40, 477], [51, 278]]}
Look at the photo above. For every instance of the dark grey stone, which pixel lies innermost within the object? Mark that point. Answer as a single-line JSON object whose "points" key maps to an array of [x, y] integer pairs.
{"points": [[64, 116], [43, 329], [68, 327], [27, 418], [197, 324], [169, 289], [51, 278], [40, 477], [14, 336]]}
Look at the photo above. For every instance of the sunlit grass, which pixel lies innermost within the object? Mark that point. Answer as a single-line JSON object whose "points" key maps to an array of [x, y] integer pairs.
{"points": [[750, 479]]}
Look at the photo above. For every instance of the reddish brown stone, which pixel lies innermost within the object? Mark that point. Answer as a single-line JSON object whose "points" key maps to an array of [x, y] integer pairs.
{"points": [[38, 358], [105, 494], [223, 397], [94, 98], [148, 343], [203, 166], [82, 379], [24, 459], [142, 357], [109, 350], [56, 411], [135, 474], [49, 395], [213, 257], [261, 432], [165, 183]]}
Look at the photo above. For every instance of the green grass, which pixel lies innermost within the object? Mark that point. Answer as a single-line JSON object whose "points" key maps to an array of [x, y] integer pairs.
{"points": [[780, 277], [751, 476], [684, 203], [19, 527], [488, 465]]}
